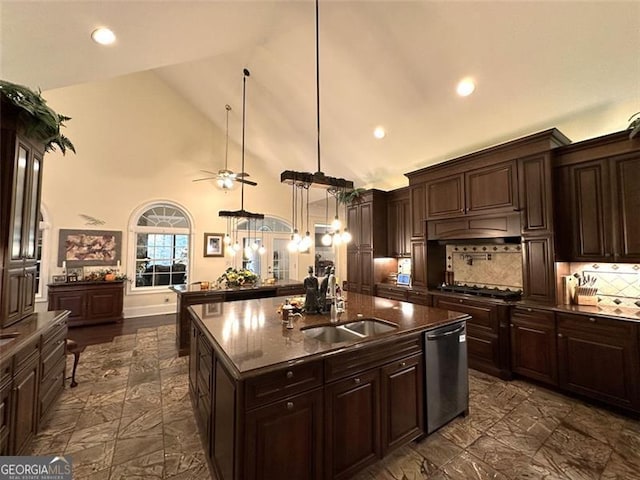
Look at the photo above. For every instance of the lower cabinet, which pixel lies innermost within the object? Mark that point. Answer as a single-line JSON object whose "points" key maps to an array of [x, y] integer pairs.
{"points": [[352, 437], [598, 357], [5, 410], [25, 404], [284, 439], [533, 344], [89, 302]]}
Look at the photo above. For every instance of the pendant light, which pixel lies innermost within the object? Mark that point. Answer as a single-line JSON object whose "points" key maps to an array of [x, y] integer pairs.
{"points": [[318, 179], [234, 216]]}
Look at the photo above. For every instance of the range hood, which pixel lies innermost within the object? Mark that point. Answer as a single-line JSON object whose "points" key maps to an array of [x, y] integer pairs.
{"points": [[488, 229]]}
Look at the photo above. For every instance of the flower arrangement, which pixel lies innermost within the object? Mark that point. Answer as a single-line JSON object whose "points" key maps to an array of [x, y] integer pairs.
{"points": [[108, 275], [237, 278]]}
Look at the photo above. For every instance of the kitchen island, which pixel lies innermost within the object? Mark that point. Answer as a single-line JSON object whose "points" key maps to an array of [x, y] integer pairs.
{"points": [[273, 402], [194, 295]]}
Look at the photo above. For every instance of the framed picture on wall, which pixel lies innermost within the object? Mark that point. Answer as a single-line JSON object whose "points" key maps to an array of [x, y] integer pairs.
{"points": [[213, 245], [80, 248]]}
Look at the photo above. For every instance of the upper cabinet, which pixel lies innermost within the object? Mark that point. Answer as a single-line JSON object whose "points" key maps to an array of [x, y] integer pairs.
{"points": [[598, 200], [418, 210], [399, 224], [21, 173], [490, 189], [535, 191], [369, 230]]}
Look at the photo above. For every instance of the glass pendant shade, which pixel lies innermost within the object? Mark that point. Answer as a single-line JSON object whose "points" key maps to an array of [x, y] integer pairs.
{"points": [[346, 236], [227, 239], [326, 239], [337, 238], [335, 224]]}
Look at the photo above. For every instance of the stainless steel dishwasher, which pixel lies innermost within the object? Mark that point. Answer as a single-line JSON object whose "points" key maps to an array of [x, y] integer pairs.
{"points": [[447, 378]]}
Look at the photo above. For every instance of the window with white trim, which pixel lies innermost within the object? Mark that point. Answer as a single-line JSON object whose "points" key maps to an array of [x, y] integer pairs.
{"points": [[162, 238]]}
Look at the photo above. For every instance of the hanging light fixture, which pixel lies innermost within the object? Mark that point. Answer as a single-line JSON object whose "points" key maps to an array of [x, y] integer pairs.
{"points": [[305, 180], [225, 182], [234, 216]]}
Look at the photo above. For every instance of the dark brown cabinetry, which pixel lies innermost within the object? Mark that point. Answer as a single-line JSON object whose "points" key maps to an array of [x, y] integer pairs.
{"points": [[418, 263], [487, 333], [89, 302], [6, 372], [418, 210], [533, 344], [52, 366], [599, 358], [484, 190], [25, 403], [21, 173], [369, 233], [538, 269], [399, 224], [596, 187]]}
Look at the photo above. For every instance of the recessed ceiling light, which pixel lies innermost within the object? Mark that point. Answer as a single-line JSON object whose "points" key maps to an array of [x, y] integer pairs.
{"points": [[379, 132], [465, 87], [103, 36]]}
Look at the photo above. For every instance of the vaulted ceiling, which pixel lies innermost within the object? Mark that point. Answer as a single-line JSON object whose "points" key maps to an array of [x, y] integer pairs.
{"points": [[571, 65]]}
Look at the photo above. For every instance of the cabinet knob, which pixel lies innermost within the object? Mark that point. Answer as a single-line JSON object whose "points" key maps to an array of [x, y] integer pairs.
{"points": [[59, 342], [592, 320], [529, 310], [289, 374], [289, 405], [512, 325], [461, 301], [356, 380], [559, 335], [403, 364]]}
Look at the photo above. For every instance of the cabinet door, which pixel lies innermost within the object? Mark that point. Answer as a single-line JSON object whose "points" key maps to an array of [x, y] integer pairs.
{"points": [[366, 225], [538, 269], [19, 209], [418, 207], [403, 225], [12, 295], [29, 286], [104, 302], [393, 229], [193, 358], [32, 209], [352, 435], [354, 225], [5, 413], [590, 207], [599, 358], [402, 402], [535, 190], [353, 271], [491, 189], [367, 284], [445, 197], [73, 300], [25, 403], [627, 181], [533, 344], [284, 439], [418, 263]]}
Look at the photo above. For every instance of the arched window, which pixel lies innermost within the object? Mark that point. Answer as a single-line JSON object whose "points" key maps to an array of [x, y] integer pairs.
{"points": [[161, 242]]}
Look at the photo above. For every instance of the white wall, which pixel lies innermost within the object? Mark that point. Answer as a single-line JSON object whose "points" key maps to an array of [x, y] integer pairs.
{"points": [[137, 141]]}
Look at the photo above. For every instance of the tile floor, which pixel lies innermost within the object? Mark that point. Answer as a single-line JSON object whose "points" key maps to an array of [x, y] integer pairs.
{"points": [[131, 418]]}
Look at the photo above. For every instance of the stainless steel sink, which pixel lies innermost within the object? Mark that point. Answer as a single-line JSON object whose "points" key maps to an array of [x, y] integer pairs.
{"points": [[7, 338], [350, 331], [370, 327], [331, 334]]}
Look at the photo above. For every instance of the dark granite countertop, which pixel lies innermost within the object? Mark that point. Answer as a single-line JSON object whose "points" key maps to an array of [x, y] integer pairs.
{"points": [[402, 287], [195, 287], [27, 329], [251, 335], [620, 313]]}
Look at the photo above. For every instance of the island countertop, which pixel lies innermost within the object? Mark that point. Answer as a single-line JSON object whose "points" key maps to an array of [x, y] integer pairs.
{"points": [[195, 287], [252, 337]]}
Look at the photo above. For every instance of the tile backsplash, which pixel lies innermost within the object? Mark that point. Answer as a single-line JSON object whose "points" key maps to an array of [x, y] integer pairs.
{"points": [[486, 265], [618, 284]]}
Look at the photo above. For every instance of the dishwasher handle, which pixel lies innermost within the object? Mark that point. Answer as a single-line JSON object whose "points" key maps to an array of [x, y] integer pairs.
{"points": [[445, 334]]}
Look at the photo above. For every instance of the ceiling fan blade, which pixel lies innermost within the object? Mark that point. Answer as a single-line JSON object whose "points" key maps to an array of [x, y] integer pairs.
{"points": [[209, 172], [203, 179], [242, 174], [246, 182]]}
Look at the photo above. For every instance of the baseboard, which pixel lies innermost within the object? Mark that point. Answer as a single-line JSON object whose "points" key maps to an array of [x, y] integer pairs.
{"points": [[148, 310]]}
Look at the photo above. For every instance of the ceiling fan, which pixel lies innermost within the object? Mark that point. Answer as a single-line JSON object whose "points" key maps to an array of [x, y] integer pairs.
{"points": [[225, 178]]}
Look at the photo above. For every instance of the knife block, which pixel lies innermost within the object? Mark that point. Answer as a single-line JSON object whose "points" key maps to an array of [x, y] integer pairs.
{"points": [[587, 300]]}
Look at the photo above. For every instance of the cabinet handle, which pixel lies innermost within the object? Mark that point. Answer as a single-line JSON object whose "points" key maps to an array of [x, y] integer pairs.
{"points": [[59, 342], [461, 301], [356, 380], [289, 374], [559, 335], [591, 319], [529, 310], [512, 325], [403, 364], [289, 405]]}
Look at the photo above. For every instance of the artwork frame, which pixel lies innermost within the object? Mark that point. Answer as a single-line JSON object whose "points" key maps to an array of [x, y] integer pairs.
{"points": [[214, 309], [213, 245], [77, 272], [80, 248], [58, 279]]}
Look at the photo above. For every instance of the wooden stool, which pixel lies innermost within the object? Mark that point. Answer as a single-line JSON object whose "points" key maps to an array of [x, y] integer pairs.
{"points": [[73, 348]]}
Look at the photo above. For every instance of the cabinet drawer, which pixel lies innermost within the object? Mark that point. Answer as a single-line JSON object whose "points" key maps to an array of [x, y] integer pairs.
{"points": [[419, 298], [597, 326], [50, 390], [391, 293], [273, 386], [26, 353], [51, 338], [536, 315], [481, 314], [5, 392], [365, 358], [6, 370], [55, 354], [205, 363]]}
